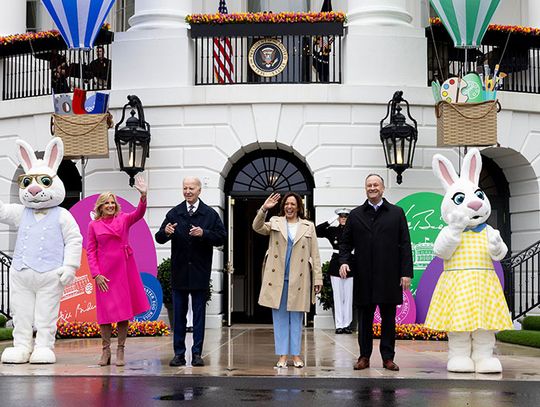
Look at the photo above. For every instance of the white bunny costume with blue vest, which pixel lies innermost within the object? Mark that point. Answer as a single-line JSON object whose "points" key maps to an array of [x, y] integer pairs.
{"points": [[47, 254], [468, 301]]}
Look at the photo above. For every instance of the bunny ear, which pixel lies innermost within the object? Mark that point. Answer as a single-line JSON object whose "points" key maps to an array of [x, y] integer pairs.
{"points": [[444, 170], [472, 165], [26, 155], [54, 153]]}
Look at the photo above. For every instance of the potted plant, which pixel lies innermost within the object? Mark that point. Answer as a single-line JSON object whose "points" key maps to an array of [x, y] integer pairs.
{"points": [[164, 278], [326, 297]]}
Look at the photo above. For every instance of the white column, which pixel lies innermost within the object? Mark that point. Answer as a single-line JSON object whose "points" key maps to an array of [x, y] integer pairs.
{"points": [[12, 17], [533, 17], [156, 52], [152, 14], [379, 12], [382, 46]]}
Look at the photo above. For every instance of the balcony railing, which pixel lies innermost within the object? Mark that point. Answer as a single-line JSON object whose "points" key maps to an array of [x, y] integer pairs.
{"points": [[228, 53], [5, 264], [522, 280], [37, 68], [517, 54]]}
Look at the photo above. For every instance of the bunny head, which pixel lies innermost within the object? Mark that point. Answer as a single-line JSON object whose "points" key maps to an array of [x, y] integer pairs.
{"points": [[39, 186], [463, 197]]}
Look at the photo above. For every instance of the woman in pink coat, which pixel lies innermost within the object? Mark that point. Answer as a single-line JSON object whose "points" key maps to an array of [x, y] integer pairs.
{"points": [[120, 295]]}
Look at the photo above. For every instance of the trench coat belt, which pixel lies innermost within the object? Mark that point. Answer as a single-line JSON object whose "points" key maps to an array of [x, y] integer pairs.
{"points": [[128, 251]]}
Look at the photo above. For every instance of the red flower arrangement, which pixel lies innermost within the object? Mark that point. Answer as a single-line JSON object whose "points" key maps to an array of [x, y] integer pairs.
{"points": [[501, 28], [274, 18], [30, 36], [91, 329], [413, 332]]}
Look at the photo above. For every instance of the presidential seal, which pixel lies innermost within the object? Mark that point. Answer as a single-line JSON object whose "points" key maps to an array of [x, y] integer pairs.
{"points": [[268, 57]]}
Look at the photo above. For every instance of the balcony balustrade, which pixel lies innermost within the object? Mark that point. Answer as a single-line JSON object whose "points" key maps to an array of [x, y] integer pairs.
{"points": [[228, 54]]}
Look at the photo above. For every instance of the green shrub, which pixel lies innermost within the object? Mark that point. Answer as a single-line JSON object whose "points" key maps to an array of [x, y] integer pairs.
{"points": [[326, 297], [164, 278], [3, 320], [6, 334], [522, 337], [531, 323]]}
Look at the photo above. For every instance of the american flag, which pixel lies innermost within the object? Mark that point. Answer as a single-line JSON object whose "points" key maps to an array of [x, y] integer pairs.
{"points": [[223, 67]]}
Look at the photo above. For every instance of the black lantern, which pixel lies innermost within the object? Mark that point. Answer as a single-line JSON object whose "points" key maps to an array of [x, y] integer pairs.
{"points": [[398, 138], [132, 140]]}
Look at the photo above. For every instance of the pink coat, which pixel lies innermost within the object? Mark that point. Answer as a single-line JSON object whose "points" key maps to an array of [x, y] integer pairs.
{"points": [[110, 255]]}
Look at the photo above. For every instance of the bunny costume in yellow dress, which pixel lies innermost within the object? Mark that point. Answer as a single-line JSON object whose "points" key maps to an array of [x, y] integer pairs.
{"points": [[468, 295]]}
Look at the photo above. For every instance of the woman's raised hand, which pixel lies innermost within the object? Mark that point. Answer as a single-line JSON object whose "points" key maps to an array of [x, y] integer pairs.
{"points": [[140, 185], [271, 201]]}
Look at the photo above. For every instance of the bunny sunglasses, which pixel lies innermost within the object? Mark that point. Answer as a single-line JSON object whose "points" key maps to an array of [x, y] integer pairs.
{"points": [[44, 180]]}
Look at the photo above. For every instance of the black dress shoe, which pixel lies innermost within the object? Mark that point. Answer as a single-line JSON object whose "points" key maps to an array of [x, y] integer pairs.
{"points": [[196, 360], [189, 329], [178, 361], [339, 331], [347, 330]]}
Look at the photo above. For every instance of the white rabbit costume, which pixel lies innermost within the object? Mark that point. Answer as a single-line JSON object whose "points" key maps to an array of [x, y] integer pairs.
{"points": [[47, 254], [468, 301]]}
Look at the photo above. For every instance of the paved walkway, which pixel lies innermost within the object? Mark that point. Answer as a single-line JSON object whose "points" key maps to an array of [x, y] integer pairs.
{"points": [[249, 351]]}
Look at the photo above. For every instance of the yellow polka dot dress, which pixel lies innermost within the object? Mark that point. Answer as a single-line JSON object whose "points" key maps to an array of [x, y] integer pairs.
{"points": [[468, 295]]}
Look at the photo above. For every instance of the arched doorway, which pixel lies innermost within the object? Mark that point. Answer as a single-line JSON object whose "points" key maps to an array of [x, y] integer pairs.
{"points": [[494, 183], [248, 184]]}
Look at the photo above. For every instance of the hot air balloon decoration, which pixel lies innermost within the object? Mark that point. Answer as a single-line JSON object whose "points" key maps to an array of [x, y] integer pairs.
{"points": [[84, 135], [466, 107]]}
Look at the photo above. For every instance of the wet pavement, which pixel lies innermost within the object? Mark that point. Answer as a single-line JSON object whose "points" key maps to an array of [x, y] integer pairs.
{"points": [[239, 368]]}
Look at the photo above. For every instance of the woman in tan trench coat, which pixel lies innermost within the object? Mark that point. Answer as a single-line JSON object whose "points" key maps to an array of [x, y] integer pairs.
{"points": [[291, 272]]}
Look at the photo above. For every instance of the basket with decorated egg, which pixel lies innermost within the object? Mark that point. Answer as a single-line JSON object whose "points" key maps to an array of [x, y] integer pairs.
{"points": [[466, 109]]}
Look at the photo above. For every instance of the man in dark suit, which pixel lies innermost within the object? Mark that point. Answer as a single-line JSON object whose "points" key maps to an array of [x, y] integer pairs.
{"points": [[379, 235], [193, 229]]}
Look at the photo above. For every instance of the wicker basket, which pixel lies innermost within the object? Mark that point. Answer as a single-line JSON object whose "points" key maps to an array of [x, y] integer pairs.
{"points": [[467, 124], [84, 135]]}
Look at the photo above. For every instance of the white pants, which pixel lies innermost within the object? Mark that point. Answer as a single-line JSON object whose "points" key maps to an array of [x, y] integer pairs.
{"points": [[343, 295], [189, 322], [35, 302]]}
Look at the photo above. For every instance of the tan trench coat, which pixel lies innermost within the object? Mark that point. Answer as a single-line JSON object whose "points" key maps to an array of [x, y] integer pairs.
{"points": [[305, 267]]}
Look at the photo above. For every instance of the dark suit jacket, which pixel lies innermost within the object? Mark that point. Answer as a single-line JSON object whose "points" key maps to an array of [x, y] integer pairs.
{"points": [[382, 254], [191, 257], [333, 234]]}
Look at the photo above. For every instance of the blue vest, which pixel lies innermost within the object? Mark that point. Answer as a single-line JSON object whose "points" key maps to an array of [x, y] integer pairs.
{"points": [[40, 244]]}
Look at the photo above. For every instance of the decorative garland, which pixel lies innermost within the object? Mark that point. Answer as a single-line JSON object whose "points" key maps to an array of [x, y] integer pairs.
{"points": [[31, 36], [518, 29], [413, 332], [91, 329], [273, 18]]}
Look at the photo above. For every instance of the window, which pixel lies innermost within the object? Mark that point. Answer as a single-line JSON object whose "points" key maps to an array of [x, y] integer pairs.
{"points": [[123, 10], [32, 16]]}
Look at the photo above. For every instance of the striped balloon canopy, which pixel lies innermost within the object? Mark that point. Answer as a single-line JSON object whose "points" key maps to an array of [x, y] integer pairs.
{"points": [[78, 21], [466, 20]]}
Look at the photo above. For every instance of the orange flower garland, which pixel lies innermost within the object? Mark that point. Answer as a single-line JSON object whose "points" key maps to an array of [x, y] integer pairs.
{"points": [[31, 36], [413, 332], [274, 18], [501, 28], [91, 329]]}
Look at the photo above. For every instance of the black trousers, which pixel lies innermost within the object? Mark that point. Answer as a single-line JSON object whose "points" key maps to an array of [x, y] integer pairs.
{"points": [[198, 304], [388, 330]]}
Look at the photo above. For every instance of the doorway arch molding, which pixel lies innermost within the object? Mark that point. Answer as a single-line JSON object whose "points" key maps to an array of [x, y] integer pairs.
{"points": [[262, 171]]}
